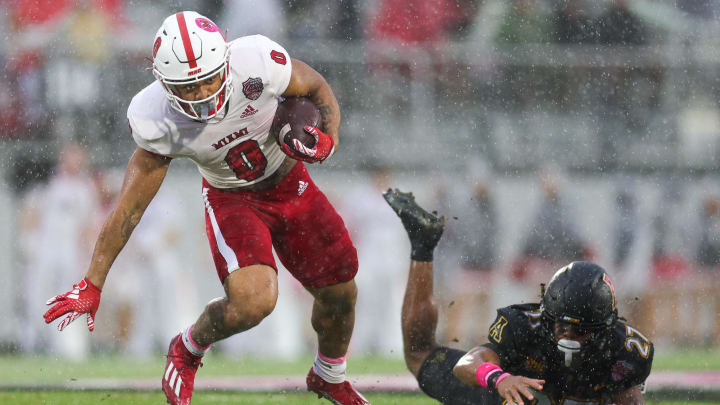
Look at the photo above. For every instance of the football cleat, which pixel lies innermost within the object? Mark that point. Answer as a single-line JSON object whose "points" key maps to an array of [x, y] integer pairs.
{"points": [[338, 394], [423, 228], [179, 378]]}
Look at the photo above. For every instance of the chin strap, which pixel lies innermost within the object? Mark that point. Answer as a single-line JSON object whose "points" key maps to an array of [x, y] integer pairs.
{"points": [[204, 111]]}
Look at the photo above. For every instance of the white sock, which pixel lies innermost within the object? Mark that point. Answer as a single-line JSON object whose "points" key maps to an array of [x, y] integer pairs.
{"points": [[191, 345], [329, 369]]}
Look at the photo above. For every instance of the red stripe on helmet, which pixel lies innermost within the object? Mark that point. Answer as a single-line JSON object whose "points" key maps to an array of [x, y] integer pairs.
{"points": [[186, 40]]}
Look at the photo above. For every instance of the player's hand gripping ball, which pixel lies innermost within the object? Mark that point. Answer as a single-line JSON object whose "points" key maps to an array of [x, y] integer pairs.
{"points": [[297, 129]]}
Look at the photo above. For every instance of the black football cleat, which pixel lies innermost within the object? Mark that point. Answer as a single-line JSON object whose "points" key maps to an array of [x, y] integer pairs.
{"points": [[423, 228]]}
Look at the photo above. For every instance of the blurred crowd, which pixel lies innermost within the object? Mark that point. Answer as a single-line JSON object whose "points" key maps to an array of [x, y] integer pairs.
{"points": [[487, 85], [504, 237], [71, 66]]}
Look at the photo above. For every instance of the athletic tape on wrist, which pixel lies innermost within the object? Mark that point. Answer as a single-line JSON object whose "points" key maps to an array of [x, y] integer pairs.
{"points": [[485, 371], [421, 254]]}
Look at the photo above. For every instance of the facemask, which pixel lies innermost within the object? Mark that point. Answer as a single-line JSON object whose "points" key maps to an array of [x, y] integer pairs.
{"points": [[569, 348]]}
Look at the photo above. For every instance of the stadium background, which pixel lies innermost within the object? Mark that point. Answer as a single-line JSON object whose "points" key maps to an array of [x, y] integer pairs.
{"points": [[611, 110]]}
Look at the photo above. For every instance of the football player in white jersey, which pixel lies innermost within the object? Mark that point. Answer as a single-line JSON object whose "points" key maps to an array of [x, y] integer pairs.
{"points": [[213, 102]]}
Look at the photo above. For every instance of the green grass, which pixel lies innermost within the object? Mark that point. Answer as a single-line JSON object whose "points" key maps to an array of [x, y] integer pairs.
{"points": [[687, 359], [30, 369], [209, 398], [19, 370], [201, 398]]}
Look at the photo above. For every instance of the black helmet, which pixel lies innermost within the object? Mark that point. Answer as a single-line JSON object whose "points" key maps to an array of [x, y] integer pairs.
{"points": [[580, 294]]}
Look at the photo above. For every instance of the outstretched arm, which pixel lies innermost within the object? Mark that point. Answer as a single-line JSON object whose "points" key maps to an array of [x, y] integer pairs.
{"points": [[143, 177], [419, 313], [466, 368], [480, 367]]}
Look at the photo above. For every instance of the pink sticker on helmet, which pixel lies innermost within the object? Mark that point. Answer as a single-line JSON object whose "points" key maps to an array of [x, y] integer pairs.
{"points": [[607, 281], [207, 25], [156, 46]]}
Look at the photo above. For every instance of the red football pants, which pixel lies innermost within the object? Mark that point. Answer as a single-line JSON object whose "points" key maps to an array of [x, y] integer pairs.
{"points": [[294, 217]]}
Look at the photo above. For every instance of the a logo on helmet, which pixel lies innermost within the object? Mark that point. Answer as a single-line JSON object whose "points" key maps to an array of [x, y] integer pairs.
{"points": [[607, 281], [156, 46], [253, 88], [206, 25]]}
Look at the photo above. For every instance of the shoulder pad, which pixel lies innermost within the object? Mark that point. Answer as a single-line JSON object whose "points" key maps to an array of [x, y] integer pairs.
{"points": [[632, 359], [520, 320], [633, 343], [523, 313], [146, 111]]}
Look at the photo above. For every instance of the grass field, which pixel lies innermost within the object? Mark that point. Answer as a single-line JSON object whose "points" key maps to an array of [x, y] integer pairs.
{"points": [[687, 359], [39, 370], [201, 398], [23, 370], [206, 398], [32, 369]]}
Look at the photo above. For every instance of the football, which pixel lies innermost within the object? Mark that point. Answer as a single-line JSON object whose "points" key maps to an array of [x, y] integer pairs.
{"points": [[295, 112]]}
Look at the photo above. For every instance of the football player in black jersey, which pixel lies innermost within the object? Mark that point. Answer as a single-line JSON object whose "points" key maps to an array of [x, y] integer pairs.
{"points": [[571, 348]]}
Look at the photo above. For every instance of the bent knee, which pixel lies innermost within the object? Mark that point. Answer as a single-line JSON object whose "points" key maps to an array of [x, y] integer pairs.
{"points": [[241, 316], [341, 296], [252, 295], [346, 298]]}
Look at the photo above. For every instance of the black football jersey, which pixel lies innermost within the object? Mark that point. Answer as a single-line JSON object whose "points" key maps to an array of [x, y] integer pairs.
{"points": [[623, 361]]}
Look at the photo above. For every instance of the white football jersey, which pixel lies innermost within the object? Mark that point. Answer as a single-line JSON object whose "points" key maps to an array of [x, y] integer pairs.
{"points": [[233, 151]]}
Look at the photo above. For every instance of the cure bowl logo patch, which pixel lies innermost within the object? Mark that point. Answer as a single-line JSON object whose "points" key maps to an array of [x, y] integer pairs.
{"points": [[207, 25], [620, 370], [252, 88]]}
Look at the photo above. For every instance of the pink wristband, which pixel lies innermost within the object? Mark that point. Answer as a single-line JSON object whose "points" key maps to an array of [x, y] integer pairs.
{"points": [[502, 377], [484, 372]]}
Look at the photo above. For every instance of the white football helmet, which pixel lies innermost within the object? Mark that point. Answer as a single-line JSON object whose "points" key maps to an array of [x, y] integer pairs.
{"points": [[189, 48]]}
